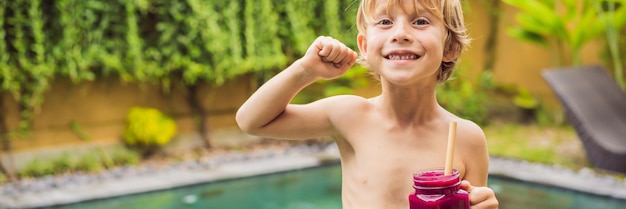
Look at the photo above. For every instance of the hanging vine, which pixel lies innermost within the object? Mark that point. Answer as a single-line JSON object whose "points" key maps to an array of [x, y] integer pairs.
{"points": [[193, 41]]}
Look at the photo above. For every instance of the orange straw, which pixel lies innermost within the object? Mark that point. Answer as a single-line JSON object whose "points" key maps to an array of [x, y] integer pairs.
{"points": [[450, 150]]}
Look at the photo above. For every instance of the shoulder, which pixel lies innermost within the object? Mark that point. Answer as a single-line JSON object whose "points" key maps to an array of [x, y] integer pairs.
{"points": [[466, 129], [471, 135], [471, 130], [344, 107], [344, 98], [343, 102]]}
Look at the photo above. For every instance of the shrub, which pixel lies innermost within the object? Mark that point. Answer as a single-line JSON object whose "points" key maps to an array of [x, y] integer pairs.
{"points": [[65, 163], [89, 163], [464, 98], [2, 178], [122, 157], [37, 168], [148, 128]]}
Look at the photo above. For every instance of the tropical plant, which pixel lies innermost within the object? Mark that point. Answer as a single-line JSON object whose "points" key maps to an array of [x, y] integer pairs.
{"points": [[562, 26], [494, 15], [608, 10]]}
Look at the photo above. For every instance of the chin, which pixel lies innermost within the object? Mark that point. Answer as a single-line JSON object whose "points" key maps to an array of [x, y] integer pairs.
{"points": [[399, 80]]}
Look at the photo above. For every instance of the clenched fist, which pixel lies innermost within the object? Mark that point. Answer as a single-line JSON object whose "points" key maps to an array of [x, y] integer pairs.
{"points": [[328, 58]]}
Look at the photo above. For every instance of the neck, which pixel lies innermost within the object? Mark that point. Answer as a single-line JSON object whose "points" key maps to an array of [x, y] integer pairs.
{"points": [[410, 105]]}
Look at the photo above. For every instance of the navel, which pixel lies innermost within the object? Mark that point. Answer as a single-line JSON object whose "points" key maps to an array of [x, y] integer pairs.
{"points": [[364, 180]]}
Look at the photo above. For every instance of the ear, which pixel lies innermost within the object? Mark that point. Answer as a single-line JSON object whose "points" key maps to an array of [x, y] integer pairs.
{"points": [[451, 53], [362, 43], [450, 56]]}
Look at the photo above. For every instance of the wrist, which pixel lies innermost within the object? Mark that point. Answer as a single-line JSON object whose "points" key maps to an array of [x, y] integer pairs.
{"points": [[301, 73]]}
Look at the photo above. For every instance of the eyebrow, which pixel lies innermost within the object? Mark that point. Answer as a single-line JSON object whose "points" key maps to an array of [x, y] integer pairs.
{"points": [[419, 13]]}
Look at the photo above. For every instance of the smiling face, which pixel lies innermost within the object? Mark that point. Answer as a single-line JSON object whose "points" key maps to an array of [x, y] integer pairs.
{"points": [[405, 41]]}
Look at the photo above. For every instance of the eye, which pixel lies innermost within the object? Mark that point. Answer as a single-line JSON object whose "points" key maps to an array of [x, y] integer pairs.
{"points": [[384, 22], [421, 22]]}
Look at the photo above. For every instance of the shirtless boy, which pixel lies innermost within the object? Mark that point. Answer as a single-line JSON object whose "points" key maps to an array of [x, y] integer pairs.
{"points": [[411, 46]]}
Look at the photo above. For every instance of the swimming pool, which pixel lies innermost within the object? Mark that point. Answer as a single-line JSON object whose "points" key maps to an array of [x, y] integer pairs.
{"points": [[320, 187]]}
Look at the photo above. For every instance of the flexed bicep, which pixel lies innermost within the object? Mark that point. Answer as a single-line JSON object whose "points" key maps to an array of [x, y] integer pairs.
{"points": [[298, 122], [268, 113]]}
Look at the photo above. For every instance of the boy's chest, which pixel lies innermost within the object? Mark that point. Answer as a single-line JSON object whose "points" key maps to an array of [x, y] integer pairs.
{"points": [[387, 153], [383, 164]]}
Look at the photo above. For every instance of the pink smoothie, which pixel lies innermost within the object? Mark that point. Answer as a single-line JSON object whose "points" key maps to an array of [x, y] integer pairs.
{"points": [[433, 190]]}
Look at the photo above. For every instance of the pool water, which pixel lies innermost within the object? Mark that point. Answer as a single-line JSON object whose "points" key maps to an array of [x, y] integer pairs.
{"points": [[321, 188]]}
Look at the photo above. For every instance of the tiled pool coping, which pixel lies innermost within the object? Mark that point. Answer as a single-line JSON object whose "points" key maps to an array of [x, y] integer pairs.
{"points": [[584, 180]]}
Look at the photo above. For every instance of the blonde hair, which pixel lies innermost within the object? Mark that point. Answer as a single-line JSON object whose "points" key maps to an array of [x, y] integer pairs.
{"points": [[449, 12]]}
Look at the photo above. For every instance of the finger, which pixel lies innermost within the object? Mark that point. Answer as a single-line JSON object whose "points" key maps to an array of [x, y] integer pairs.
{"points": [[341, 55], [483, 197], [318, 45], [325, 46], [491, 203], [478, 195], [335, 50], [465, 185], [349, 58]]}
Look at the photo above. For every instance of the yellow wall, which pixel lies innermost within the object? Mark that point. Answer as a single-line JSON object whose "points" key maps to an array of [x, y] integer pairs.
{"points": [[100, 108]]}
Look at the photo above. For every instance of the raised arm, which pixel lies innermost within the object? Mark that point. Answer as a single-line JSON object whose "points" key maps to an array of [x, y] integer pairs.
{"points": [[268, 112]]}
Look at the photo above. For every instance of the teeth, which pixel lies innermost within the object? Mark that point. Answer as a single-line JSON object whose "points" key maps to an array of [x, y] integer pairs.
{"points": [[402, 57]]}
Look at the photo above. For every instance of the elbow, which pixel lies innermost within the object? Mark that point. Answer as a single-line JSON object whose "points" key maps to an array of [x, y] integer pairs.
{"points": [[241, 122], [244, 123]]}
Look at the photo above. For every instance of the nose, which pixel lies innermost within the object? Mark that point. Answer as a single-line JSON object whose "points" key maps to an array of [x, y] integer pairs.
{"points": [[400, 34]]}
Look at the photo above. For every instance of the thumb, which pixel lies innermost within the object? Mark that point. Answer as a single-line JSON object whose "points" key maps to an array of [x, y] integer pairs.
{"points": [[465, 185]]}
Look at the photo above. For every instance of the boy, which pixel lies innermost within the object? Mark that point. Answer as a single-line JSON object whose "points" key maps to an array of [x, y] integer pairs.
{"points": [[411, 46]]}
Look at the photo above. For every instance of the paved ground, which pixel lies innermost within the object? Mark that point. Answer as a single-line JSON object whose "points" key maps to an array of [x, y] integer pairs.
{"points": [[123, 181]]}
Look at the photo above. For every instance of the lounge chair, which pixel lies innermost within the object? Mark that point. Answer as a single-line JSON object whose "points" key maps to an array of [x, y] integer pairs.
{"points": [[596, 107]]}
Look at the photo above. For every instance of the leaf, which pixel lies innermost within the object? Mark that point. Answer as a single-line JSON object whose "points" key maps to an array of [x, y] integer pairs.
{"points": [[524, 99], [527, 36], [534, 25]]}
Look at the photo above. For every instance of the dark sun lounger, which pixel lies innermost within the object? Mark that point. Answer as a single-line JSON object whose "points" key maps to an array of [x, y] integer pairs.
{"points": [[596, 107]]}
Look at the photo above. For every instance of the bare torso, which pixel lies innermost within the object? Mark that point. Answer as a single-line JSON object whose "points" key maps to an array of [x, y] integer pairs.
{"points": [[379, 157]]}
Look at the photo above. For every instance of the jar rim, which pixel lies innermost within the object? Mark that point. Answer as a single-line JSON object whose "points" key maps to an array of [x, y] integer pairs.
{"points": [[435, 179]]}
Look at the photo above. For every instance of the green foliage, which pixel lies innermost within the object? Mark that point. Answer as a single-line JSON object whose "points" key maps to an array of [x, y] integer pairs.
{"points": [[75, 127], [37, 167], [355, 77], [123, 157], [460, 96], [3, 178], [609, 11], [156, 41], [65, 163], [562, 25], [89, 162], [148, 127], [524, 99], [534, 143]]}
